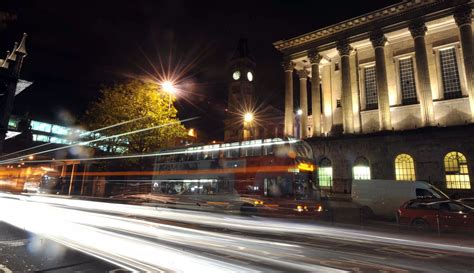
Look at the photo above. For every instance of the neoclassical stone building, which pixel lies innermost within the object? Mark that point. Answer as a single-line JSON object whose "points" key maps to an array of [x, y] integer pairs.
{"points": [[391, 94]]}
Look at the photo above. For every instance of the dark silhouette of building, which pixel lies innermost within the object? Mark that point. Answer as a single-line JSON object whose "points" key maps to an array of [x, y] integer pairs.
{"points": [[245, 118], [10, 68]]}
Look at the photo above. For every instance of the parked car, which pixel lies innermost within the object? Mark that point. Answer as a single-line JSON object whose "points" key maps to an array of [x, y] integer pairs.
{"points": [[429, 214], [384, 197]]}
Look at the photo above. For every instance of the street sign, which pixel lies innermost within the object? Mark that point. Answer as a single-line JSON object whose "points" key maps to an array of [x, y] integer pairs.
{"points": [[22, 85]]}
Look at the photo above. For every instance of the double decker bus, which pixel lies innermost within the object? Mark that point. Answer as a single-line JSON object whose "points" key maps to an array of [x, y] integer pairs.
{"points": [[268, 176]]}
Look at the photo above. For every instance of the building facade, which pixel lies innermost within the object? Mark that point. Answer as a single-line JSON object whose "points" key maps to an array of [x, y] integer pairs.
{"points": [[377, 82]]}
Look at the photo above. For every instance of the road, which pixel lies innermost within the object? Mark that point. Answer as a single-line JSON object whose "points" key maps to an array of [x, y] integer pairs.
{"points": [[159, 239]]}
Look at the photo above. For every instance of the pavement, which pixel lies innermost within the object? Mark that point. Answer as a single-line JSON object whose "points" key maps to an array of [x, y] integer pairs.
{"points": [[22, 251], [152, 239]]}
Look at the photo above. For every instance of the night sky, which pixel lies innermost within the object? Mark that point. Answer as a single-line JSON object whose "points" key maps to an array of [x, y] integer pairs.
{"points": [[75, 47]]}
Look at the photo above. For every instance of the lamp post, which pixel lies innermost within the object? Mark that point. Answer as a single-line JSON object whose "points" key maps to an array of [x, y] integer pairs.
{"points": [[169, 88], [248, 118], [299, 131]]}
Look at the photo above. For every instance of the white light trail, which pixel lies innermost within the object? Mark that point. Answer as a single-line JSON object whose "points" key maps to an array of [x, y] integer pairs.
{"points": [[263, 225], [16, 160], [149, 246], [175, 152], [82, 134]]}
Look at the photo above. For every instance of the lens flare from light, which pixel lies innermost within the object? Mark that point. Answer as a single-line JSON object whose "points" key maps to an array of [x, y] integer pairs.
{"points": [[168, 87]]}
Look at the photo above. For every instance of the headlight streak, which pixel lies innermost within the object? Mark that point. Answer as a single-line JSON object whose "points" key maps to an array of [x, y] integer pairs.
{"points": [[263, 225], [13, 160], [93, 233]]}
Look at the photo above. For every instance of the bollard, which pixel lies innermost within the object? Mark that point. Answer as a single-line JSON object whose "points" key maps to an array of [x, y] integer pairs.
{"points": [[398, 221], [332, 216], [437, 224]]}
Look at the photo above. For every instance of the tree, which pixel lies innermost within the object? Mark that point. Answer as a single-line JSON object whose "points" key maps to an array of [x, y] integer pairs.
{"points": [[143, 102]]}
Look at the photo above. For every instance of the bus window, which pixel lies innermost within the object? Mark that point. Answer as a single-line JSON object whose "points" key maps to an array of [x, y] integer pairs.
{"points": [[245, 151], [206, 154], [277, 187], [257, 147], [234, 152], [267, 148], [215, 152]]}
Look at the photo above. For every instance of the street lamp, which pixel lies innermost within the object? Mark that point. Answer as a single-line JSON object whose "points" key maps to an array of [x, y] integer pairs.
{"points": [[169, 88], [299, 113], [248, 118]]}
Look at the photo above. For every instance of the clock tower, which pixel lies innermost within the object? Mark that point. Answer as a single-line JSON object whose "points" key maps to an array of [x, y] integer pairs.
{"points": [[241, 91]]}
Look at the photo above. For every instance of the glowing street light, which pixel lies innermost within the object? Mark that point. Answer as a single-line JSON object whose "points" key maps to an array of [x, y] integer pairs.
{"points": [[169, 88], [299, 112], [248, 117]]}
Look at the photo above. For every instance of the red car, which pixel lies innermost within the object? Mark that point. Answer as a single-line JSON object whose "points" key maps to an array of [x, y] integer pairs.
{"points": [[428, 214]]}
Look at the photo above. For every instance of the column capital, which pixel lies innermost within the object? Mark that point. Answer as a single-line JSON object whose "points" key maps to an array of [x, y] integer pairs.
{"points": [[344, 48], [417, 29], [378, 39], [302, 74], [463, 16], [288, 65], [314, 57]]}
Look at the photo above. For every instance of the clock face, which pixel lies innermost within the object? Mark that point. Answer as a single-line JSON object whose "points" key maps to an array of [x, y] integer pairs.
{"points": [[249, 76], [236, 75]]}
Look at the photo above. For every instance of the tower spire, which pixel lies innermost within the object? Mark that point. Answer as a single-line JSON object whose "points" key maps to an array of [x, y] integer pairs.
{"points": [[242, 51]]}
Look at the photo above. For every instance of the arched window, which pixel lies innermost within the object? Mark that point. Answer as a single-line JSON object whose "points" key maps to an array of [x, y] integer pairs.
{"points": [[456, 170], [361, 169], [325, 173], [405, 167]]}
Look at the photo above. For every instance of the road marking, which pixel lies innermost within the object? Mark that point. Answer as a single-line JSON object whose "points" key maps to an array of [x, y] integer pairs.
{"points": [[20, 242], [5, 269]]}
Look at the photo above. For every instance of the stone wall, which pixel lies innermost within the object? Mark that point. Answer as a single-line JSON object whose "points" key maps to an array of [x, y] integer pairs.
{"points": [[427, 146]]}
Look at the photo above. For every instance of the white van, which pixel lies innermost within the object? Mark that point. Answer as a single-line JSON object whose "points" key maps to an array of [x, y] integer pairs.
{"points": [[384, 197]]}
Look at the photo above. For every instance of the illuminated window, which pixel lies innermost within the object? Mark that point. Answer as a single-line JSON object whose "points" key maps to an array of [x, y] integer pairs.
{"points": [[267, 148], [59, 130], [405, 167], [253, 150], [59, 140], [40, 138], [361, 169], [371, 99], [40, 126], [449, 73], [456, 170], [407, 81], [12, 123], [325, 173]]}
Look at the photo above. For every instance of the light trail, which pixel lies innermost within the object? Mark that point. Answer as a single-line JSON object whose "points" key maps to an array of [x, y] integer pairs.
{"points": [[15, 160], [149, 246], [82, 134], [180, 151], [262, 225]]}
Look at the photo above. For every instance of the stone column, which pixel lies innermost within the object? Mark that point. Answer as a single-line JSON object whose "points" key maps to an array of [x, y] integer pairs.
{"points": [[463, 18], [289, 117], [418, 30], [347, 112], [314, 59], [303, 75], [378, 42]]}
